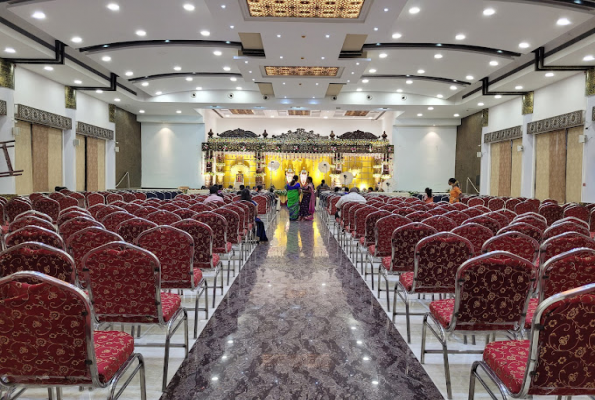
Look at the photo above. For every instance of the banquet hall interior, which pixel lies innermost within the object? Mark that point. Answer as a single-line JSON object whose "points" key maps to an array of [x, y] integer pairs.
{"points": [[297, 199]]}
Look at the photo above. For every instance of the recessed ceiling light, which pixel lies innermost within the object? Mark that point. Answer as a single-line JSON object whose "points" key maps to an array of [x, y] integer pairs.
{"points": [[99, 91], [199, 88], [420, 115], [372, 71], [456, 115], [414, 10], [278, 36], [563, 22], [106, 58], [460, 36], [140, 32], [281, 57], [397, 35], [239, 88], [38, 15], [226, 68], [158, 93], [231, 26], [480, 104], [142, 111], [217, 53], [386, 10], [325, 117], [438, 56], [272, 116], [233, 79], [493, 63], [409, 81], [519, 87], [179, 111], [9, 50], [48, 68], [77, 39], [359, 89], [284, 83], [498, 96], [77, 82], [489, 11], [222, 5], [113, 6], [356, 63], [189, 79], [117, 100], [469, 77], [440, 96], [383, 55], [549, 74], [177, 68], [249, 72], [205, 33], [430, 108], [352, 73], [145, 84], [189, 7], [421, 71], [589, 58], [322, 58], [453, 87], [524, 45], [129, 73], [316, 83], [365, 81], [399, 90], [376, 29], [327, 36]]}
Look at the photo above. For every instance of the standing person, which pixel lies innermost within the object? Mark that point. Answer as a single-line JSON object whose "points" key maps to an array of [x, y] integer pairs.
{"points": [[428, 197], [260, 232], [455, 190], [308, 201], [293, 198], [323, 186]]}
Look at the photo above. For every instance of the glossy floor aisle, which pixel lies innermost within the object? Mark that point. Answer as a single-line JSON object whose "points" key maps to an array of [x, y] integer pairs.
{"points": [[300, 323]]}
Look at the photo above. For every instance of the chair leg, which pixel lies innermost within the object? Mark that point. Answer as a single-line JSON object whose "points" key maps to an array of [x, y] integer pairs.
{"points": [[446, 369], [424, 331], [168, 336]]}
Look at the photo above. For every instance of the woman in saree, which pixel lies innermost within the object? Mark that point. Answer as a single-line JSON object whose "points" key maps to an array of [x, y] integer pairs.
{"points": [[293, 198], [307, 207]]}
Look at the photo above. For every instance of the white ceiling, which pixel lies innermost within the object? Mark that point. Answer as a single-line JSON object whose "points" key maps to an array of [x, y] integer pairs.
{"points": [[301, 43]]}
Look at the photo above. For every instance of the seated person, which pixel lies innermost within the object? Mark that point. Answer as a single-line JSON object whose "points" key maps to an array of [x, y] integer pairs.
{"points": [[428, 196], [353, 196], [242, 187], [260, 232], [214, 196]]}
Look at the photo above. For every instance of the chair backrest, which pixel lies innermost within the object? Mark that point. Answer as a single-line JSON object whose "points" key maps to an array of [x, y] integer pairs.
{"points": [[567, 271], [437, 259], [140, 195], [144, 211], [34, 234], [135, 272], [502, 219], [418, 216], [513, 242], [128, 197], [383, 233], [526, 207], [67, 202], [105, 211], [524, 228], [185, 213], [233, 224], [404, 241], [360, 220], [95, 198], [112, 220], [510, 215], [251, 208], [475, 233], [579, 212], [72, 214], [574, 220], [163, 217], [560, 361], [473, 212], [200, 207], [476, 201], [562, 243], [512, 203], [241, 213], [332, 206], [492, 292], [15, 207], [132, 207], [47, 206], [496, 204], [440, 223], [169, 207], [56, 196], [175, 250], [460, 206], [371, 220], [58, 341], [22, 222], [113, 197], [389, 207], [531, 220], [38, 257], [202, 235], [352, 211], [33, 213], [131, 228], [551, 212], [566, 226], [76, 224], [436, 210], [486, 221], [457, 216], [218, 224], [262, 203], [346, 213]]}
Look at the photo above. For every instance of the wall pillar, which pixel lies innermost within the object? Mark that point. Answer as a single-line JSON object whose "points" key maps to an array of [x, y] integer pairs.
{"points": [[7, 185], [528, 164], [588, 194], [69, 152]]}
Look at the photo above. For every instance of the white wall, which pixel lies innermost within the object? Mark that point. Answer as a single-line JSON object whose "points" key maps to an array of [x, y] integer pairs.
{"points": [[172, 155], [506, 115], [424, 157], [560, 98], [38, 92]]}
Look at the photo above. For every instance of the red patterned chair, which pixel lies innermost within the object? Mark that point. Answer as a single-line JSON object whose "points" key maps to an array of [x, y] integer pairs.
{"points": [[524, 228], [65, 217], [130, 229], [47, 206], [486, 221], [440, 223], [410, 200], [359, 230], [574, 220], [113, 197], [233, 232], [389, 207], [539, 223], [496, 204], [85, 240], [483, 209], [457, 216], [34, 234], [128, 197], [163, 217], [35, 196], [33, 213], [174, 249], [491, 295], [473, 212], [138, 300], [56, 196], [460, 206], [38, 257], [76, 224], [437, 259], [502, 219], [579, 212], [31, 220], [95, 198], [67, 345], [514, 242], [418, 216], [113, 220], [200, 207], [264, 208], [94, 210], [144, 211], [67, 202], [551, 212], [169, 207], [140, 195], [563, 243], [550, 201], [512, 203], [185, 213], [204, 257], [557, 360], [437, 211], [107, 210], [475, 233], [404, 211], [132, 207], [73, 208], [345, 218], [526, 207], [510, 215], [370, 240], [348, 221], [476, 201], [559, 228], [118, 203], [221, 245]]}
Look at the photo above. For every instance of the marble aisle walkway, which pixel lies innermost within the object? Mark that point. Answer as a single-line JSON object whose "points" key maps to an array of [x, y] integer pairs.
{"points": [[300, 323]]}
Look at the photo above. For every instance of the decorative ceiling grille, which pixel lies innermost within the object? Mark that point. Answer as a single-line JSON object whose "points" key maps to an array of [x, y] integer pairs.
{"points": [[356, 113], [349, 9], [302, 71], [242, 112], [299, 112]]}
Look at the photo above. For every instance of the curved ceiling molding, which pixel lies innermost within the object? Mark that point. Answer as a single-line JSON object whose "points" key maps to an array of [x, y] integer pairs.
{"points": [[444, 46], [419, 78], [186, 74], [158, 43], [576, 5]]}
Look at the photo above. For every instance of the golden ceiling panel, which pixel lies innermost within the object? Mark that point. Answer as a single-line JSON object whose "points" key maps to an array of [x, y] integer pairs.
{"points": [[349, 9], [299, 112], [356, 113], [241, 112], [302, 71]]}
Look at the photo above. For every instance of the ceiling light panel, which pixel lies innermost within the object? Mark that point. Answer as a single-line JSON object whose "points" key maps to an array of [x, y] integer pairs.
{"points": [[302, 71], [344, 9]]}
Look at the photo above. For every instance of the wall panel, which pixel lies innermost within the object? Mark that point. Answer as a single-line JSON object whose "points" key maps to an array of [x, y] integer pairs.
{"points": [[40, 154], [100, 164], [505, 168], [92, 165], [517, 168], [81, 172], [55, 159], [23, 158], [574, 165], [467, 164], [542, 166], [558, 165], [128, 159], [495, 168]]}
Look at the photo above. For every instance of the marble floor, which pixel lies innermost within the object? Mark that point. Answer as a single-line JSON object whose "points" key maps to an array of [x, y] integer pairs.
{"points": [[298, 322]]}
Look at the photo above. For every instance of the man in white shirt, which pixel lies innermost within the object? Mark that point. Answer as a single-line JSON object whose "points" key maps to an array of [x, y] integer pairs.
{"points": [[352, 196], [214, 196]]}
